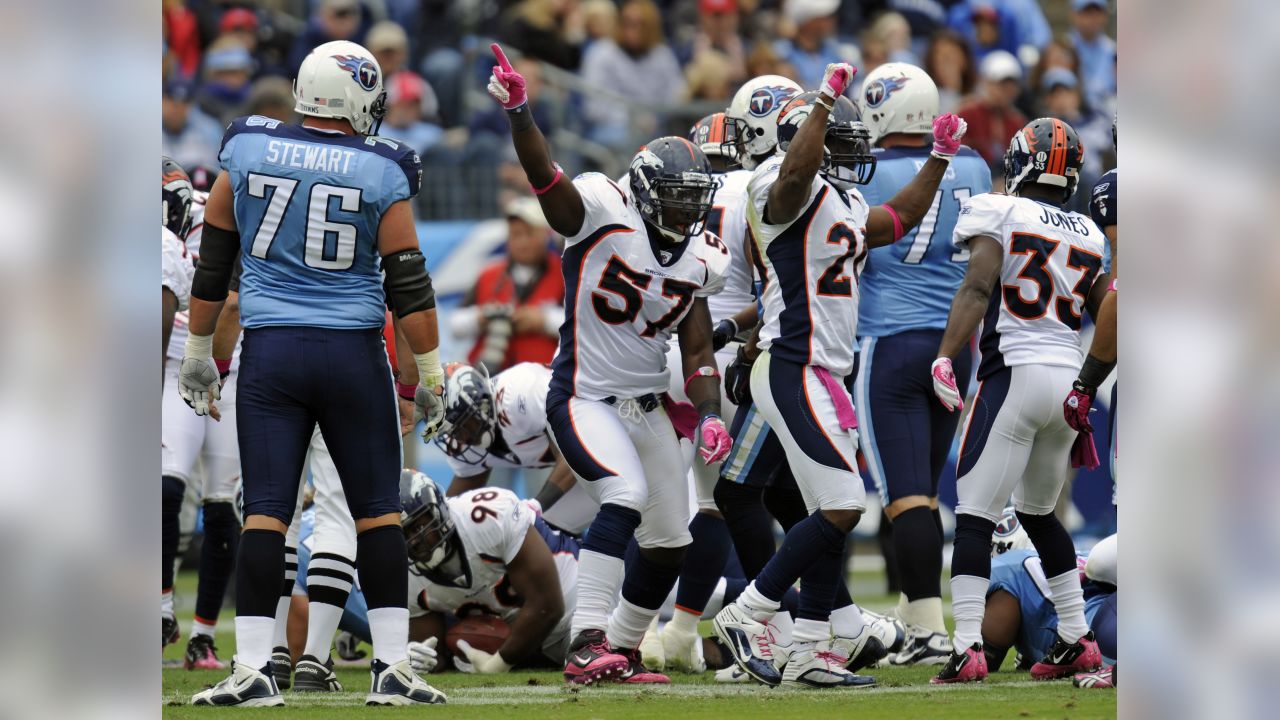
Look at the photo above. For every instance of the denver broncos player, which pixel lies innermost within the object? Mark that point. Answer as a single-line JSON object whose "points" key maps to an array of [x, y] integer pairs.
{"points": [[807, 226], [637, 267], [1033, 269], [318, 212], [905, 434]]}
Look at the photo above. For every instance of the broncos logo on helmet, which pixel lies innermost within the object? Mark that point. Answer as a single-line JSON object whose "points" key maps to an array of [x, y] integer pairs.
{"points": [[362, 71], [879, 90], [765, 99]]}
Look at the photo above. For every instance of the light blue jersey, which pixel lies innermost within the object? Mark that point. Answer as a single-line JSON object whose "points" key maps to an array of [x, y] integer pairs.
{"points": [[909, 285], [308, 204], [1018, 572]]}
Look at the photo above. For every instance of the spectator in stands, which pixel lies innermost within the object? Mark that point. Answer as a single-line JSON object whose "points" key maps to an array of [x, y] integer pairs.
{"points": [[925, 17], [182, 36], [516, 307], [188, 135], [1017, 26], [892, 33], [1097, 51], [1057, 54], [813, 45], [718, 31], [389, 44], [331, 20], [228, 68], [710, 77], [653, 77], [992, 116], [272, 97], [549, 30], [241, 24], [949, 62], [1060, 97], [764, 60], [600, 20], [412, 109]]}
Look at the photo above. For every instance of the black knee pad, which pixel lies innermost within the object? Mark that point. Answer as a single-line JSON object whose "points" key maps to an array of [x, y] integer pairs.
{"points": [[786, 505], [172, 491], [972, 554], [1052, 542], [665, 557], [220, 517], [731, 497]]}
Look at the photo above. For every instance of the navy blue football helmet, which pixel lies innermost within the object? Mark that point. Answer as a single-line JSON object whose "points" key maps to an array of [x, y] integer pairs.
{"points": [[176, 194], [470, 413], [1047, 151], [673, 186], [847, 159], [435, 548]]}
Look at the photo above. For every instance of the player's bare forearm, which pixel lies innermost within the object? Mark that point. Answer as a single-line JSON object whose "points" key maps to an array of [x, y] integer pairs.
{"points": [[459, 485], [790, 192], [227, 331], [695, 353], [533, 575], [747, 316], [407, 369], [169, 308], [560, 202], [202, 316], [911, 203], [1103, 346], [1101, 289], [560, 481], [420, 332], [1113, 237], [974, 295], [751, 348]]}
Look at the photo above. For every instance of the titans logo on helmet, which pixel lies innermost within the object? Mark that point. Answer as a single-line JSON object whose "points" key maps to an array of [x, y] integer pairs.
{"points": [[764, 100], [880, 90], [362, 71]]}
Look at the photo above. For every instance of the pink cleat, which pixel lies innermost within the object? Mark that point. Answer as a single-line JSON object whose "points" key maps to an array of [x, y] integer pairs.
{"points": [[202, 655], [1104, 678], [590, 660], [969, 665], [637, 674], [1066, 659]]}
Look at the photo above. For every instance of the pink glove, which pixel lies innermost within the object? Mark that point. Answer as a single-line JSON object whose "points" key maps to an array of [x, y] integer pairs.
{"points": [[1083, 452], [837, 78], [947, 131], [716, 441], [944, 384], [505, 84], [1076, 408]]}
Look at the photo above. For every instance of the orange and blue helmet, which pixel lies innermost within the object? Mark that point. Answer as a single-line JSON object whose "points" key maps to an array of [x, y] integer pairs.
{"points": [[1047, 151]]}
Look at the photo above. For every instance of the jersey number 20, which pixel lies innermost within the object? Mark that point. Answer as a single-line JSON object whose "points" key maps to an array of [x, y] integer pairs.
{"points": [[278, 191]]}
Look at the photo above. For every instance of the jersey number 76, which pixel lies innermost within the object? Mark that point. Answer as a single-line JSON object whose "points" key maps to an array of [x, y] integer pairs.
{"points": [[277, 191]]}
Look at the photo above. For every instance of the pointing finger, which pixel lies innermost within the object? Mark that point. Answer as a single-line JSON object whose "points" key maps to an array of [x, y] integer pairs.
{"points": [[502, 57]]}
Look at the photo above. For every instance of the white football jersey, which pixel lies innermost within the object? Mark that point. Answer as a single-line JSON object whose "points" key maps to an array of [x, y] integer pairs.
{"points": [[728, 221], [177, 270], [624, 295], [1051, 259], [199, 199], [178, 337], [520, 398], [810, 287]]}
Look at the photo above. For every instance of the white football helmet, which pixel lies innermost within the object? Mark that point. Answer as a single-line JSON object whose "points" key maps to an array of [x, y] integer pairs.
{"points": [[1009, 535], [341, 79], [751, 121], [898, 97]]}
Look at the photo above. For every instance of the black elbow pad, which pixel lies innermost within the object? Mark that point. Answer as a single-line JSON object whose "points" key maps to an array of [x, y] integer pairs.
{"points": [[219, 250], [407, 283]]}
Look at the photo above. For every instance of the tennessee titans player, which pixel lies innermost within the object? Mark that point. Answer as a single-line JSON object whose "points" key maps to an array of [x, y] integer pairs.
{"points": [[907, 287], [319, 213]]}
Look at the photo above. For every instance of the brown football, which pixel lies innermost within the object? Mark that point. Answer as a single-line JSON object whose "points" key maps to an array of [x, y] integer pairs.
{"points": [[482, 632]]}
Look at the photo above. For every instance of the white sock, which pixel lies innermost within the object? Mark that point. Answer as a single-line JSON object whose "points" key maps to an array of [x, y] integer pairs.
{"points": [[810, 631], [783, 628], [166, 603], [1068, 600], [389, 630], [628, 624], [253, 640], [968, 603], [684, 621], [280, 637], [322, 623], [847, 622], [599, 580], [759, 607], [925, 613], [202, 628]]}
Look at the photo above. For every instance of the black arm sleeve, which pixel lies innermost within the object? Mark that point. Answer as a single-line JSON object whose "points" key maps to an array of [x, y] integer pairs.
{"points": [[407, 283], [235, 276], [219, 249]]}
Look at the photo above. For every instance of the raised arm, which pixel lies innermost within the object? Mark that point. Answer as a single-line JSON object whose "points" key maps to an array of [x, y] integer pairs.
{"points": [[790, 192], [887, 223], [559, 198]]}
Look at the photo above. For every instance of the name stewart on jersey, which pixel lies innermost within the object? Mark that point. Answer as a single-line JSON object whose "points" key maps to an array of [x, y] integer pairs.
{"points": [[309, 156]]}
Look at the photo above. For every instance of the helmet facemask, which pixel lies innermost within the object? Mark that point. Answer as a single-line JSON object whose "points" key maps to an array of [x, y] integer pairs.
{"points": [[848, 160], [470, 415], [680, 206], [435, 550]]}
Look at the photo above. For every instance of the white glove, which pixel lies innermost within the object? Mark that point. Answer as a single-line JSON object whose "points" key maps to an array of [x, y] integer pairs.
{"points": [[422, 655], [198, 381], [478, 661], [430, 407]]}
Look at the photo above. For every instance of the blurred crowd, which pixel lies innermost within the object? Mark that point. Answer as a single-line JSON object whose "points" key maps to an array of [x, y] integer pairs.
{"points": [[607, 75]]}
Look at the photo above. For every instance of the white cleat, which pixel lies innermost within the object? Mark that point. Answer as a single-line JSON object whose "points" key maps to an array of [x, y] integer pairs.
{"points": [[862, 651], [923, 647], [749, 641], [399, 685], [732, 674], [244, 687], [651, 650], [682, 650], [891, 631], [816, 666]]}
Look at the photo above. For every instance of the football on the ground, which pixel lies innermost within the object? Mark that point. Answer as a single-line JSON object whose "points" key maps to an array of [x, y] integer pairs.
{"points": [[482, 632]]}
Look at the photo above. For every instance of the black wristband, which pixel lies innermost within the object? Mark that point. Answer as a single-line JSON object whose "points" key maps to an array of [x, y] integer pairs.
{"points": [[520, 117], [1094, 373], [548, 495]]}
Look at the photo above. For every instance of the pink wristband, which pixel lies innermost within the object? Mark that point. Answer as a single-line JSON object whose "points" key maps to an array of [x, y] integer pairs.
{"points": [[897, 221], [224, 365], [554, 180], [1113, 284], [406, 390], [699, 373]]}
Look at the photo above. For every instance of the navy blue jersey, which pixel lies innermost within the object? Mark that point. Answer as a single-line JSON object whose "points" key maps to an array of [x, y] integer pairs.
{"points": [[1102, 204], [909, 285], [308, 204]]}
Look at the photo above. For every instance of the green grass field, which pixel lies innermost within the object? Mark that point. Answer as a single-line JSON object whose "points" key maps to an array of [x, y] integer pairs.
{"points": [[902, 694]]}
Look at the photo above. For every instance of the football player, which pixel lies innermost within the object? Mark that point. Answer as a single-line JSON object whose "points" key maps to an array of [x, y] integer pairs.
{"points": [[322, 212], [1033, 270], [808, 223], [906, 435], [638, 266]]}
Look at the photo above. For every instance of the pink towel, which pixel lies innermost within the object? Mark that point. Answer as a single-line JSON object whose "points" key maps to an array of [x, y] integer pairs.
{"points": [[683, 415], [844, 409]]}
